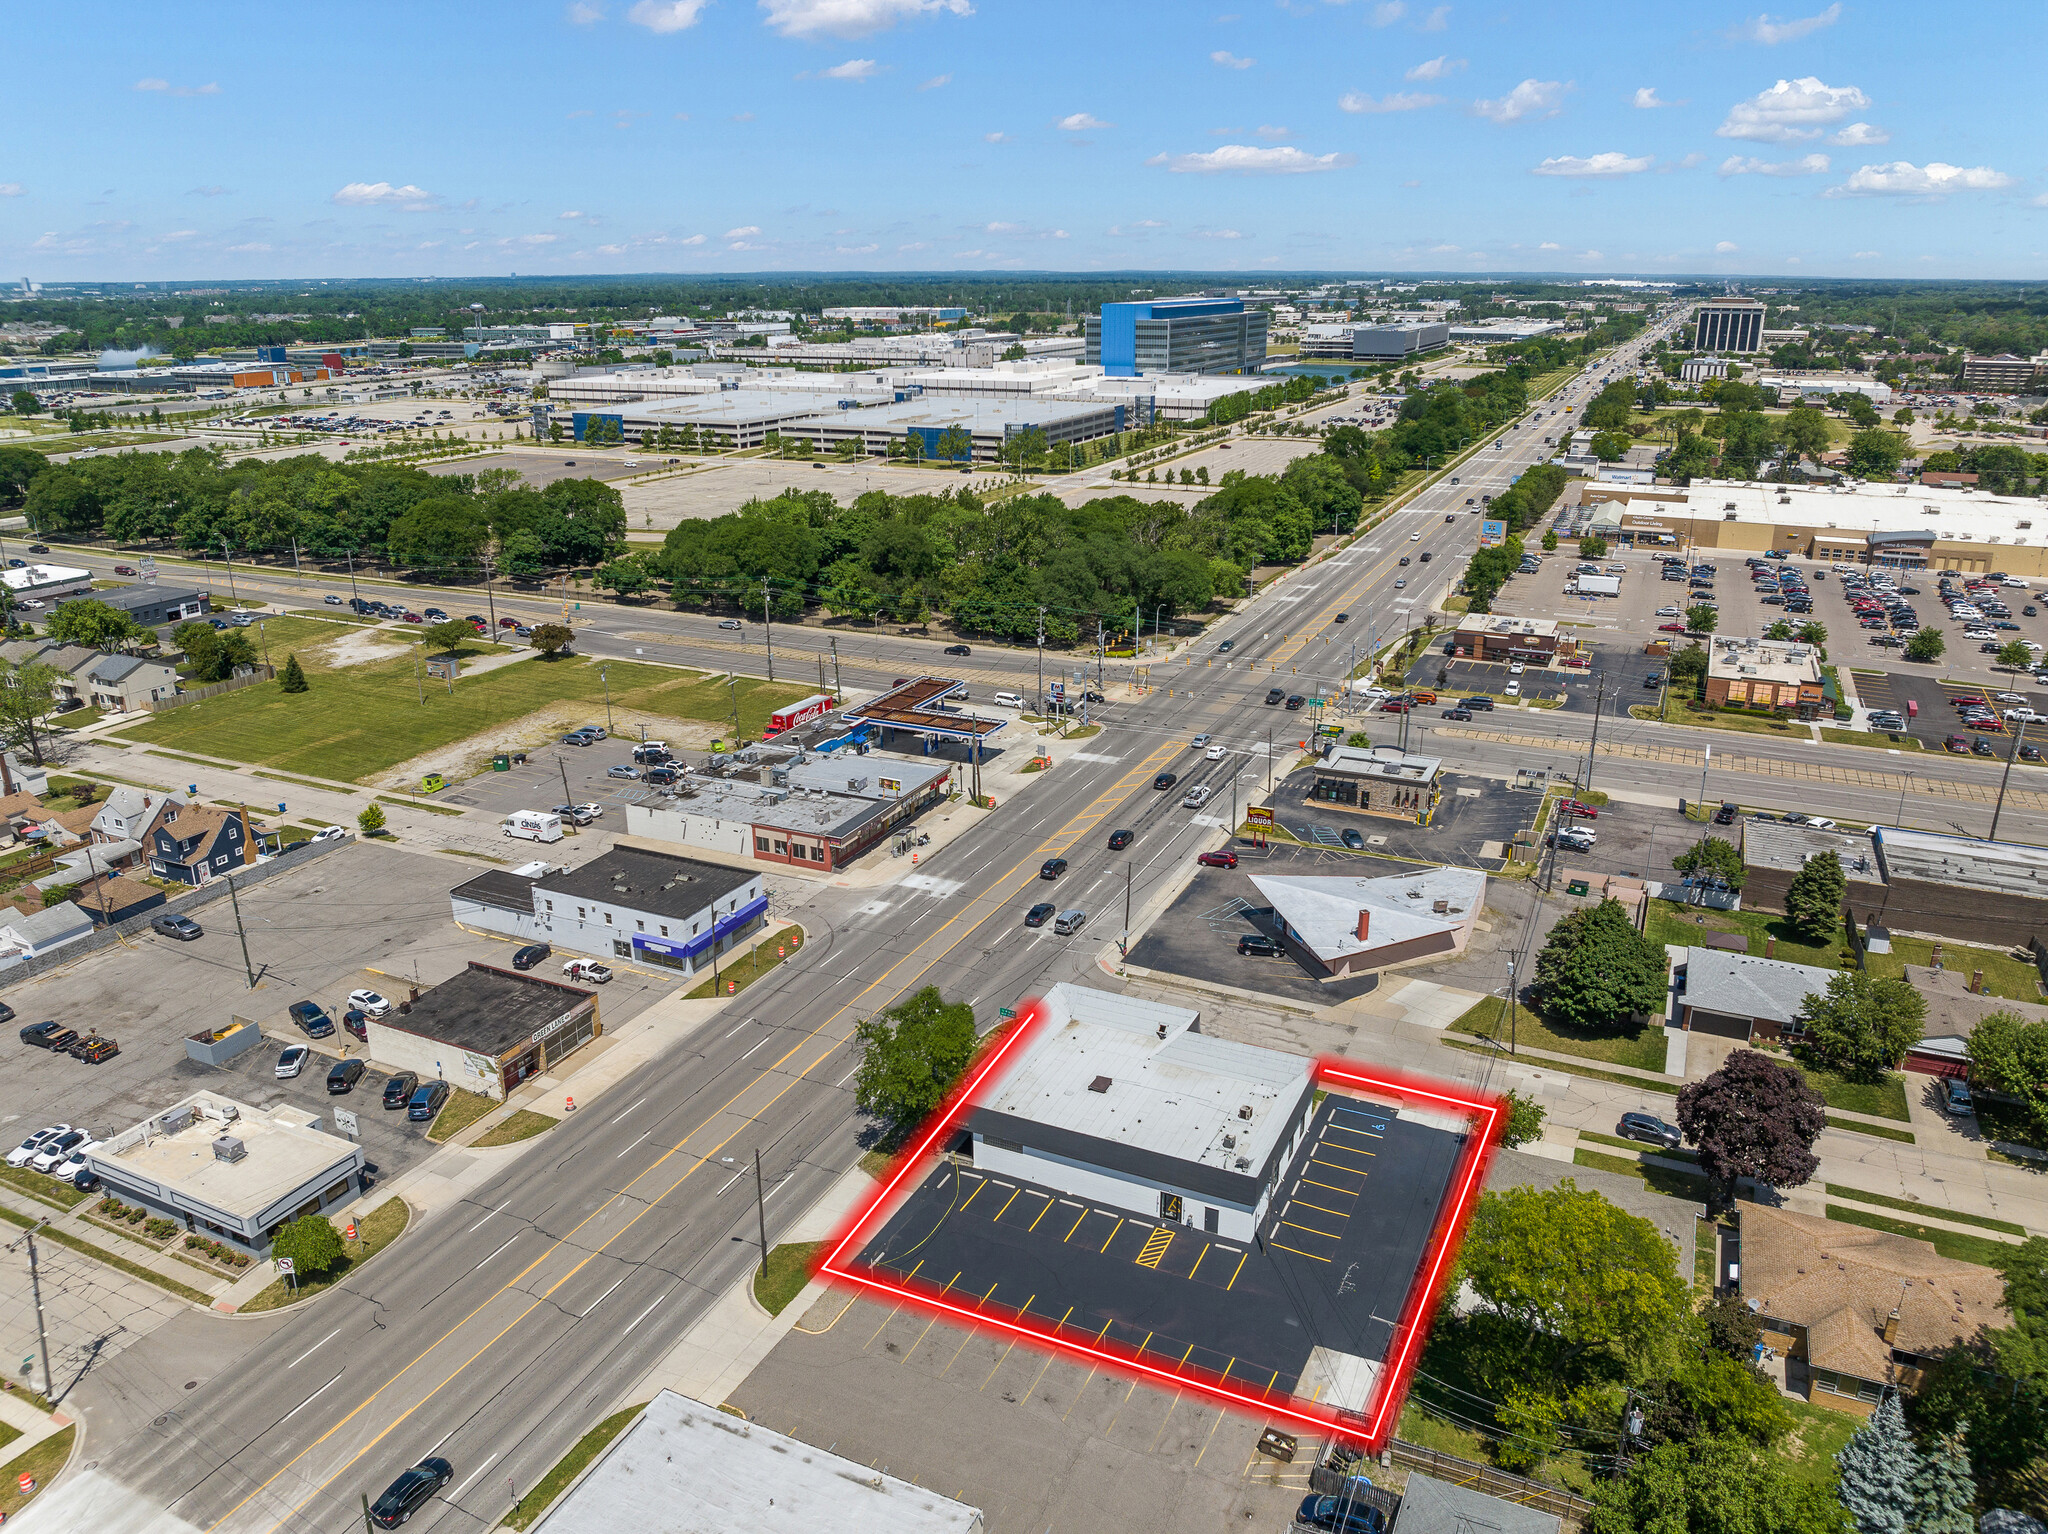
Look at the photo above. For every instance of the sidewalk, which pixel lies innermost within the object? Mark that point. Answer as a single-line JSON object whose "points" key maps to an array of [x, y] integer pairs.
{"points": [[33, 1425], [73, 1223]]}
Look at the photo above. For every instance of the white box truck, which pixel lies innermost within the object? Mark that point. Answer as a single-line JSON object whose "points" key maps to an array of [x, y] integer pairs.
{"points": [[1598, 585], [534, 825]]}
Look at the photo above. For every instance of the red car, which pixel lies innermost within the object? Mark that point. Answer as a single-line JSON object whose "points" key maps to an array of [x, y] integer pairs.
{"points": [[1671, 628], [1969, 700], [1394, 706], [507, 623], [414, 618], [1573, 807], [1225, 859]]}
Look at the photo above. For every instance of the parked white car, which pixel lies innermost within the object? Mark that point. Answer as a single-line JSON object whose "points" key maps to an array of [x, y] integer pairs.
{"points": [[292, 1061], [371, 1002], [587, 970], [1512, 690], [75, 1163], [57, 1151], [22, 1153], [2022, 716], [329, 834]]}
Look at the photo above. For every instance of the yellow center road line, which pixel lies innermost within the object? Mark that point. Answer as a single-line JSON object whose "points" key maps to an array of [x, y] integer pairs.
{"points": [[995, 897]]}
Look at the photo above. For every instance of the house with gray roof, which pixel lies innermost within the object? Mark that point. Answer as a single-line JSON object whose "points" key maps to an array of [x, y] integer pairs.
{"points": [[25, 936], [1430, 1506], [1742, 996], [121, 684]]}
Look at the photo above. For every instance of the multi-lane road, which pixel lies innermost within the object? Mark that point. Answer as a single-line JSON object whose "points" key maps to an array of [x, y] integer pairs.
{"points": [[498, 1331]]}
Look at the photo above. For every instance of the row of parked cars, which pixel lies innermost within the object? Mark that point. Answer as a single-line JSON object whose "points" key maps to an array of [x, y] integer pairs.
{"points": [[59, 1151]]}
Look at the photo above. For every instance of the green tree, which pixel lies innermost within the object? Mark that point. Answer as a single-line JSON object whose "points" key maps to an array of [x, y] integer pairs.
{"points": [[1863, 1026], [18, 467], [1926, 645], [1875, 453], [1945, 1492], [25, 403], [2015, 656], [1806, 432], [1713, 857], [1597, 972], [1611, 446], [450, 635], [1700, 618], [1752, 1118], [1815, 634], [1813, 900], [311, 1242], [1877, 1469], [628, 576], [371, 821], [2009, 1054], [1859, 409], [1015, 352], [911, 1056], [1524, 1121], [27, 696], [92, 623], [1714, 1486], [1593, 546], [1689, 665], [293, 678], [955, 445], [1550, 540], [551, 638], [1730, 1327]]}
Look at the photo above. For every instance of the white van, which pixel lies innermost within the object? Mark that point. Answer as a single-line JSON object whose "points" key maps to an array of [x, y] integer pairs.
{"points": [[1008, 700], [1069, 922], [534, 825]]}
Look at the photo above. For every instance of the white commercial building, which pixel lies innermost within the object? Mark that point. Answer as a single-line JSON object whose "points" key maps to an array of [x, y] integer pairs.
{"points": [[682, 1467], [1352, 926], [1826, 386], [47, 581], [1126, 1102], [1494, 332]]}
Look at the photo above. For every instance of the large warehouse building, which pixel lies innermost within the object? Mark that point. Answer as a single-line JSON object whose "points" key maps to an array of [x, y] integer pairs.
{"points": [[1126, 1102]]}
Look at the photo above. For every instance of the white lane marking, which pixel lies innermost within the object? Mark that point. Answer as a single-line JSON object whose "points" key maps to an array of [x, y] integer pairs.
{"points": [[756, 1049], [843, 1080], [480, 1224], [307, 1402], [779, 1187], [634, 1141], [603, 1297], [316, 1347], [728, 1183], [629, 1110], [480, 1469], [644, 1315], [501, 1247]]}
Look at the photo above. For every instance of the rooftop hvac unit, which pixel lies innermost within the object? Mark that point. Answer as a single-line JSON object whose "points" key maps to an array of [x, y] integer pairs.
{"points": [[228, 1148], [856, 785], [175, 1120], [1245, 1112], [225, 1113]]}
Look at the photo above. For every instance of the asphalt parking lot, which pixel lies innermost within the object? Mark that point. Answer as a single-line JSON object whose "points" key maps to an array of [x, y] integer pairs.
{"points": [[1472, 814], [1347, 1230]]}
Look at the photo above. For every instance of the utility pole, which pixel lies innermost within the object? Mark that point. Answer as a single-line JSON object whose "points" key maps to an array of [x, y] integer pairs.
{"points": [[1041, 658], [565, 774], [235, 901], [2005, 777], [767, 637], [761, 1211], [35, 1285], [1127, 903], [229, 562], [732, 688], [1599, 698], [603, 677], [354, 595], [419, 681], [1101, 650]]}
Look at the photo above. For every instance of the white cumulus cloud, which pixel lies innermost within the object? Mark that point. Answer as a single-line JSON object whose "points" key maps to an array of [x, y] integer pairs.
{"points": [[1082, 122], [852, 18], [582, 13], [1550, 245], [852, 69], [1387, 12], [1725, 246], [1394, 101], [1611, 163], [935, 82], [12, 189], [168, 89], [1860, 136], [664, 16], [1436, 68], [1647, 100], [694, 239], [1532, 98], [1229, 60], [1805, 165], [742, 232], [1791, 110], [995, 138], [1770, 31], [382, 194], [1933, 180], [1435, 21], [1250, 160]]}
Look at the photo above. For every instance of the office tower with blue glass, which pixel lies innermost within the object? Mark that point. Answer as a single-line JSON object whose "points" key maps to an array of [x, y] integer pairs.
{"points": [[1177, 335]]}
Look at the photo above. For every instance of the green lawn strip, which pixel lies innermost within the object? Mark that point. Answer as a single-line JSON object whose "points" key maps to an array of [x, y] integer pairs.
{"points": [[569, 1466], [1644, 1050], [132, 1269], [11, 1433], [365, 719], [374, 1231], [783, 1278], [37, 1186], [1637, 1146], [1666, 1180], [1870, 739], [481, 857], [1836, 1190], [521, 1125], [57, 779], [1676, 711], [1883, 1099], [279, 777], [460, 1111], [2013, 979], [1684, 926], [1981, 1250], [741, 972], [1668, 1088], [419, 804], [876, 1164], [1882, 1131], [40, 1464], [1819, 1433]]}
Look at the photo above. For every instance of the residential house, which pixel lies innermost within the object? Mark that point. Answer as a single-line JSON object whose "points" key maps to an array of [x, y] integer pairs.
{"points": [[122, 684], [110, 898], [1742, 996], [193, 843], [1430, 1506], [1855, 1311], [28, 936], [125, 814]]}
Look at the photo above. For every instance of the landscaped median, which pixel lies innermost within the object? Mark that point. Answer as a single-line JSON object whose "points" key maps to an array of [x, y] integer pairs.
{"points": [[571, 1465]]}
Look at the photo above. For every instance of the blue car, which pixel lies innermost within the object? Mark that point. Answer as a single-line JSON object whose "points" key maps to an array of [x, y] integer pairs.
{"points": [[427, 1100], [1340, 1515], [309, 1016]]}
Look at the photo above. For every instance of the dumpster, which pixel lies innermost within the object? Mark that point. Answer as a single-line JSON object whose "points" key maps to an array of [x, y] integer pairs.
{"points": [[501, 763]]}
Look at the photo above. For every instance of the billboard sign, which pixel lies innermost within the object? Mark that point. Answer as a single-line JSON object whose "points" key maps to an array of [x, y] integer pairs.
{"points": [[1492, 534], [1258, 815]]}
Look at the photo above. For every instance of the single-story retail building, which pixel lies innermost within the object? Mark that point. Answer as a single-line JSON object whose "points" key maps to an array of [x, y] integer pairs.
{"points": [[1489, 636], [627, 903], [1126, 1102], [152, 605], [1778, 674], [230, 1170], [1341, 927], [485, 1029], [1377, 780], [687, 1467]]}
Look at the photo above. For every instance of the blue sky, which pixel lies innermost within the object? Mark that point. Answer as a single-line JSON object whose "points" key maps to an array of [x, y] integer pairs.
{"points": [[889, 135]]}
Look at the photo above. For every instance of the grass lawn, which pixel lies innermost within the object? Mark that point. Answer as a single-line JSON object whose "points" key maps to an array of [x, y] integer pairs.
{"points": [[571, 1465], [1885, 1099], [1818, 1434], [1836, 1190], [1679, 710], [1675, 1184], [460, 1111], [876, 1164], [784, 1277], [289, 635], [1978, 1249], [1643, 1049], [1667, 1085], [1871, 739], [745, 970], [374, 1231], [42, 1463], [522, 1125], [1858, 1127], [2013, 979], [1681, 1154], [1670, 922], [44, 1189], [365, 719]]}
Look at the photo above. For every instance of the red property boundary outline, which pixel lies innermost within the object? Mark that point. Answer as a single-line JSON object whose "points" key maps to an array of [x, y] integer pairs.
{"points": [[1486, 1111]]}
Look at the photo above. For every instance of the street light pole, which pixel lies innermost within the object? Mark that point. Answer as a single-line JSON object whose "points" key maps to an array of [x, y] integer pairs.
{"points": [[603, 676], [35, 1285], [2018, 735], [1899, 819]]}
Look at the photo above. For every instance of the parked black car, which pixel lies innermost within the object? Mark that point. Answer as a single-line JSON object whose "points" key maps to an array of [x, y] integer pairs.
{"points": [[316, 1023], [1650, 1129], [170, 924], [1340, 1515], [410, 1492], [1258, 945], [343, 1075], [530, 955], [426, 1100], [400, 1088]]}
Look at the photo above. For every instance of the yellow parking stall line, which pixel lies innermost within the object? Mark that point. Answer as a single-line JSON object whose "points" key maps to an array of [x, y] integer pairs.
{"points": [[1347, 1192], [882, 1328], [991, 1290], [1148, 1337], [1112, 1235], [1271, 1383], [1340, 1214], [1335, 1166], [1296, 1250], [1204, 1252], [1190, 1353], [1105, 1329], [1228, 1367], [951, 1282], [1242, 1256], [919, 1343], [913, 1272], [1006, 1205], [1049, 1202], [1347, 1150], [1297, 1225], [1074, 1227], [1024, 1307], [1001, 1359], [973, 1196]]}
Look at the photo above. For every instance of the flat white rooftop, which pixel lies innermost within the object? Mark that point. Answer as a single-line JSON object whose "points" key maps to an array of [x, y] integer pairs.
{"points": [[1770, 660], [1324, 912], [1137, 1073], [1857, 506], [683, 1467], [283, 1152]]}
